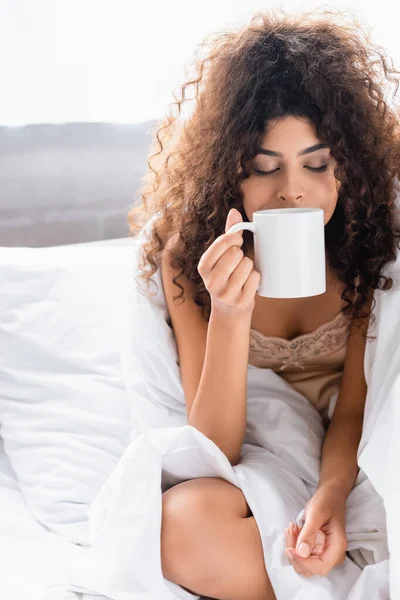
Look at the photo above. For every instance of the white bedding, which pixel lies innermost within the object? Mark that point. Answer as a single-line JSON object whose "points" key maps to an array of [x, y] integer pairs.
{"points": [[64, 411], [26, 562], [277, 473], [35, 563]]}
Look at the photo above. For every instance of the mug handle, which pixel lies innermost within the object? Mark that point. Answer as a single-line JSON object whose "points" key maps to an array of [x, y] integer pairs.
{"points": [[240, 226]]}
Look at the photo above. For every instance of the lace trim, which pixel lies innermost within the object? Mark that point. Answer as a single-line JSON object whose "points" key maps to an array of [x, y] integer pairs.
{"points": [[323, 340]]}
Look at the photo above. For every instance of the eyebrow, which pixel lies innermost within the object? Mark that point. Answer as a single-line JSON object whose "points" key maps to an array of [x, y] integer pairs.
{"points": [[301, 153]]}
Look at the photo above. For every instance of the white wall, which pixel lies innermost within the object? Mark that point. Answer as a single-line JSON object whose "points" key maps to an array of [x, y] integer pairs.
{"points": [[120, 60]]}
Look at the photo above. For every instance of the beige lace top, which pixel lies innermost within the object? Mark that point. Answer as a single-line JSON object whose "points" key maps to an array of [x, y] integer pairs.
{"points": [[312, 363]]}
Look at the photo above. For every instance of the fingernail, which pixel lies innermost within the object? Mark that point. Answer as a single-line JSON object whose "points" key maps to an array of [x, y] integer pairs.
{"points": [[303, 550]]}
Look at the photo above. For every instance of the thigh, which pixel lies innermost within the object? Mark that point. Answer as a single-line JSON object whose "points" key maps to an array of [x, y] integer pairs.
{"points": [[210, 543]]}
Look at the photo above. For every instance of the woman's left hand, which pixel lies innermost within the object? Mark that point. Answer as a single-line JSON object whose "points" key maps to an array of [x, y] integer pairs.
{"points": [[321, 543]]}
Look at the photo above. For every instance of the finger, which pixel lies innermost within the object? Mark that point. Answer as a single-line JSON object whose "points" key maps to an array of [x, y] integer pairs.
{"points": [[233, 217], [335, 544], [319, 544], [320, 565], [312, 565], [319, 541], [292, 532], [307, 537], [292, 535], [296, 529], [251, 285], [241, 273], [299, 568], [334, 553], [212, 255]]}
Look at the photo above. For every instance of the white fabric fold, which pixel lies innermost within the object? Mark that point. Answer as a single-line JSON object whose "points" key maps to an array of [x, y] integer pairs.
{"points": [[277, 474]]}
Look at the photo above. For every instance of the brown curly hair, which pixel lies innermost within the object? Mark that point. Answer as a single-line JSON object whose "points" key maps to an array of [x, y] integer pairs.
{"points": [[278, 65]]}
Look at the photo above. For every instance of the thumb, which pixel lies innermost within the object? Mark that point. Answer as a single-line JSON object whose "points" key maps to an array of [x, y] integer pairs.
{"points": [[233, 217], [306, 539]]}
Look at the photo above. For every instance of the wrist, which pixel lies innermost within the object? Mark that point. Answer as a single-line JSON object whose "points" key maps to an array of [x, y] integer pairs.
{"points": [[229, 318], [334, 487]]}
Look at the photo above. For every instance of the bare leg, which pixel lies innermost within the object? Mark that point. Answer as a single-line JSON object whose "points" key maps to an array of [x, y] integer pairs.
{"points": [[209, 543]]}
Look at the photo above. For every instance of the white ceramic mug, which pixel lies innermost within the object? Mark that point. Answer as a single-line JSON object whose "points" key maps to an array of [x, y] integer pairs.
{"points": [[289, 251]]}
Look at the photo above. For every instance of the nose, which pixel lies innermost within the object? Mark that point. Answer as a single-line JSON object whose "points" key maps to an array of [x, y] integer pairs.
{"points": [[291, 197], [291, 203], [290, 192]]}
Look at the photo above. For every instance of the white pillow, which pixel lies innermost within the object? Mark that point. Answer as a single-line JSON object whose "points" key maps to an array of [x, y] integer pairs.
{"points": [[64, 411], [153, 402]]}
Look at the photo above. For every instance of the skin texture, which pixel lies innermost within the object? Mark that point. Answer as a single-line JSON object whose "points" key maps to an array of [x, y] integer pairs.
{"points": [[292, 185]]}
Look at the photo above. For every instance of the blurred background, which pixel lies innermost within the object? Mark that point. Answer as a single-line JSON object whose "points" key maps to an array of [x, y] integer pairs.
{"points": [[84, 83]]}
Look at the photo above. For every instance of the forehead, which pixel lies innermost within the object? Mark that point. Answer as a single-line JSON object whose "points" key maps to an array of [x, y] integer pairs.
{"points": [[290, 130], [289, 135], [289, 124]]}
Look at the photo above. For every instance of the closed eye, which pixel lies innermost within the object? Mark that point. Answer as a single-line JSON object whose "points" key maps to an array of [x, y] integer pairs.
{"points": [[314, 170]]}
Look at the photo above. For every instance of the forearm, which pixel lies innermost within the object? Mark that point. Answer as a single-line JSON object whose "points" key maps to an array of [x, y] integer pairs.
{"points": [[219, 408], [339, 467]]}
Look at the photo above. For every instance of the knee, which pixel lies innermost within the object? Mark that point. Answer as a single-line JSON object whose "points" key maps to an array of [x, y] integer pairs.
{"points": [[204, 496], [187, 508], [182, 507], [182, 512], [183, 500]]}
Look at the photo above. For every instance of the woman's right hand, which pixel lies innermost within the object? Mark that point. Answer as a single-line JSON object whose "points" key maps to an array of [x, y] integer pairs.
{"points": [[228, 275]]}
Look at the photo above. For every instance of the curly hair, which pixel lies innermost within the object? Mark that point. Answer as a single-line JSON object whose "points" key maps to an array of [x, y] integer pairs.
{"points": [[278, 65]]}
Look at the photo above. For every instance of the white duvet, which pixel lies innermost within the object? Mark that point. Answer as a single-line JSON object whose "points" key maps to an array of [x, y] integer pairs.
{"points": [[277, 473]]}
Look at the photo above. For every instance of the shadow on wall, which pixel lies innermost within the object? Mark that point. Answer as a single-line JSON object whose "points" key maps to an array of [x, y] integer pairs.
{"points": [[71, 182]]}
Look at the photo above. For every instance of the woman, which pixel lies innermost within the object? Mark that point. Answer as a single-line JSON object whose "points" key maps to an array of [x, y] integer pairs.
{"points": [[289, 112]]}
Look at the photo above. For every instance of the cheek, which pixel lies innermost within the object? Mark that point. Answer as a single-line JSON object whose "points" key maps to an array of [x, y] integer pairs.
{"points": [[330, 194], [329, 208], [256, 198], [251, 193], [254, 188]]}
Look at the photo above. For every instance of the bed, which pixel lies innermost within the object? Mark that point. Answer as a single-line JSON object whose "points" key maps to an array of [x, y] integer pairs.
{"points": [[93, 429]]}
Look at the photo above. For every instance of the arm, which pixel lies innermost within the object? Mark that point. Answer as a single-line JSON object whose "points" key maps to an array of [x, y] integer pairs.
{"points": [[213, 361], [339, 452], [219, 407], [325, 511]]}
